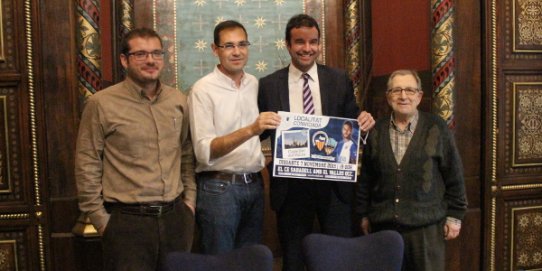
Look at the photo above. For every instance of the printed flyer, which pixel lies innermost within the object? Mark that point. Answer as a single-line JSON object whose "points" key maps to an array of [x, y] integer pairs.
{"points": [[316, 147]]}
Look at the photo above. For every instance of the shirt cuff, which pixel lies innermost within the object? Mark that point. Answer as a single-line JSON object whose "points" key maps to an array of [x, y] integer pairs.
{"points": [[453, 220], [99, 218]]}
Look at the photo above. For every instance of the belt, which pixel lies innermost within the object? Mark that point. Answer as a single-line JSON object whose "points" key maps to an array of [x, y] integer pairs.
{"points": [[145, 209], [233, 178]]}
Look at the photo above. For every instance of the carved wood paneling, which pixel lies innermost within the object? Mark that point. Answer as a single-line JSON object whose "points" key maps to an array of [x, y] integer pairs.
{"points": [[23, 219], [11, 185], [5, 178], [522, 24], [13, 251], [527, 24], [522, 124], [8, 57], [522, 231], [514, 152], [527, 139]]}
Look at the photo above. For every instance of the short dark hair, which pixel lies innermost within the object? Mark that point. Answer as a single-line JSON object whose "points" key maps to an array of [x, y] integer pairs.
{"points": [[142, 32], [227, 25], [348, 123], [300, 20]]}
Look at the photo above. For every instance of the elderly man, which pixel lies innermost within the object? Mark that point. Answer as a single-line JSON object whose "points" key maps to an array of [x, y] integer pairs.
{"points": [[412, 177]]}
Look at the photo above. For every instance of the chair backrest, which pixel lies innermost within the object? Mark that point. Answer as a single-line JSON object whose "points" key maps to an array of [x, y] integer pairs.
{"points": [[377, 251], [248, 258]]}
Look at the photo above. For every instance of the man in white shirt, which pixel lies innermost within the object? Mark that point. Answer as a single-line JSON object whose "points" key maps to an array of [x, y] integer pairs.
{"points": [[226, 125]]}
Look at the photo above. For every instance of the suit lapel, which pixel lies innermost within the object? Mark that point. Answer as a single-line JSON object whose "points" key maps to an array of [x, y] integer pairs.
{"points": [[325, 87]]}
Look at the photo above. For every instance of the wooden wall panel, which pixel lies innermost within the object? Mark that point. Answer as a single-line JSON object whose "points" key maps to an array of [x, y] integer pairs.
{"points": [[9, 62], [522, 245], [61, 95], [468, 132], [513, 176], [521, 154], [62, 106], [23, 212], [334, 34], [16, 248], [12, 184]]}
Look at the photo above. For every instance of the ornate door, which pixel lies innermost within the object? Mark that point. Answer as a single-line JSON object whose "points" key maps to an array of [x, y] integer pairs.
{"points": [[514, 122], [23, 210]]}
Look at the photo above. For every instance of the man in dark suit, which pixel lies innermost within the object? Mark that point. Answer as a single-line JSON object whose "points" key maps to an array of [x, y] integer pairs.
{"points": [[298, 201]]}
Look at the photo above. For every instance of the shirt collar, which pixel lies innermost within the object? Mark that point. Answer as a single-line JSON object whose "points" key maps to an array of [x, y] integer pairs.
{"points": [[412, 123], [138, 90], [296, 74], [230, 81]]}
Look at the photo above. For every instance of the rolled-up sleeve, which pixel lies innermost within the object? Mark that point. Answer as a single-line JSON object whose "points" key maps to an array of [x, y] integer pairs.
{"points": [[201, 125]]}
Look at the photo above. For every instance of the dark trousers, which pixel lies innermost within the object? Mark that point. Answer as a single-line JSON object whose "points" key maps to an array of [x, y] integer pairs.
{"points": [[305, 201], [142, 242], [425, 247]]}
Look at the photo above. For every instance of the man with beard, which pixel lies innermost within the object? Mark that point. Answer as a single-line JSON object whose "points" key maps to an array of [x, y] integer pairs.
{"points": [[134, 163]]}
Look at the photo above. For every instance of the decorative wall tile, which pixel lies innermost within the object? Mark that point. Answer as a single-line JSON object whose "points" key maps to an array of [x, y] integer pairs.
{"points": [[10, 163], [527, 26], [13, 251], [521, 124], [522, 23], [7, 43], [527, 138], [8, 255], [523, 249], [5, 180]]}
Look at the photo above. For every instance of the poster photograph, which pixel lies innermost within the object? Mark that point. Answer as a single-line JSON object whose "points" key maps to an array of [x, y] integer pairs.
{"points": [[316, 147]]}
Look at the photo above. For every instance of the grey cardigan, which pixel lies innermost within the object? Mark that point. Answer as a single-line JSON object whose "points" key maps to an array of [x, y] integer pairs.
{"points": [[424, 188]]}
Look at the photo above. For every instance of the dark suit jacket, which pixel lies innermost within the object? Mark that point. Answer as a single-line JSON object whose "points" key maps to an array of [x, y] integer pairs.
{"points": [[338, 100]]}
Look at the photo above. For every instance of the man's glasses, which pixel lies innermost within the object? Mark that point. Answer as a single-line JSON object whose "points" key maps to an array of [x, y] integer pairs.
{"points": [[397, 91], [142, 55], [230, 46]]}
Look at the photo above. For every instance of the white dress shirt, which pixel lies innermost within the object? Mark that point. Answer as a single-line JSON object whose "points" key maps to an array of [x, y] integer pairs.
{"points": [[217, 108], [295, 87], [345, 152]]}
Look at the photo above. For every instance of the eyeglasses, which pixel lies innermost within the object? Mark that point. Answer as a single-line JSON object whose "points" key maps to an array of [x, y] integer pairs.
{"points": [[408, 91], [142, 55], [230, 46]]}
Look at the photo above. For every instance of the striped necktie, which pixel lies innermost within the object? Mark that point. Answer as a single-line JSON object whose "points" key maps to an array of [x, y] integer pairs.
{"points": [[308, 104]]}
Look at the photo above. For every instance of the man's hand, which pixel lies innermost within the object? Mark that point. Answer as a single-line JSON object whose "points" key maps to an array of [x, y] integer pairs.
{"points": [[365, 226], [451, 230], [101, 230], [365, 121], [265, 121], [223, 145], [192, 208]]}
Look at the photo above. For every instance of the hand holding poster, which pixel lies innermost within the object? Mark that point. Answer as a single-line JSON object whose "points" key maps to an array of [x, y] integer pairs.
{"points": [[316, 147]]}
